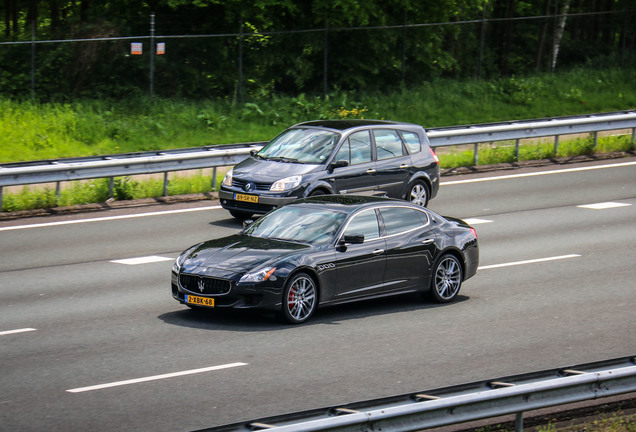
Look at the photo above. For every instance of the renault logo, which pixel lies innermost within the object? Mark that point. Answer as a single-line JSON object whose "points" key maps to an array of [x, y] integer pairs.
{"points": [[249, 186]]}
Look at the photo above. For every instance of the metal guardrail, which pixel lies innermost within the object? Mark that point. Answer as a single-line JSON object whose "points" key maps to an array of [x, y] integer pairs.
{"points": [[110, 166], [459, 404]]}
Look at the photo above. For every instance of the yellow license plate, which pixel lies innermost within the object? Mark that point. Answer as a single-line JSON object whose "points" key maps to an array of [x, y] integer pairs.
{"points": [[202, 301], [246, 198]]}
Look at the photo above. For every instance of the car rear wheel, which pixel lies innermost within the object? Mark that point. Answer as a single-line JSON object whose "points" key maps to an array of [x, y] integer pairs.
{"points": [[418, 193], [447, 279], [299, 299]]}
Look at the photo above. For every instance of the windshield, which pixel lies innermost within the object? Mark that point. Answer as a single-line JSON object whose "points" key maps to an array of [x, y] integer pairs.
{"points": [[312, 146], [299, 224]]}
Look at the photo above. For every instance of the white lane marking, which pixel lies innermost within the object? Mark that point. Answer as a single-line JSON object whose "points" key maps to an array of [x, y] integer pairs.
{"points": [[541, 173], [475, 221], [155, 377], [604, 205], [529, 261], [142, 260], [108, 218], [8, 332]]}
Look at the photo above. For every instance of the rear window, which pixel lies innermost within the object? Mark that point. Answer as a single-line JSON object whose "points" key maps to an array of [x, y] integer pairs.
{"points": [[412, 141]]}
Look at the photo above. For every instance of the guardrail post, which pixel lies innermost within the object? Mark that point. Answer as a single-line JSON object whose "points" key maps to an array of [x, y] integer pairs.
{"points": [[519, 422], [165, 183], [595, 134], [556, 145], [1, 192], [517, 150], [111, 187], [476, 155], [633, 138], [214, 178], [57, 192]]}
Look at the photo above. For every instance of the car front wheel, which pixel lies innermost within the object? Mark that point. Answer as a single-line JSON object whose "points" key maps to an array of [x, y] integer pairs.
{"points": [[299, 299], [418, 193], [447, 279]]}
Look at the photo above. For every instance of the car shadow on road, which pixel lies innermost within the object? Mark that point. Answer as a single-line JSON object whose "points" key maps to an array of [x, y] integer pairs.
{"points": [[248, 321]]}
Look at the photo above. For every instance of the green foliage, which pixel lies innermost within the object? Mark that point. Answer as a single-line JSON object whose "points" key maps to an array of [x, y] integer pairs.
{"points": [[375, 46]]}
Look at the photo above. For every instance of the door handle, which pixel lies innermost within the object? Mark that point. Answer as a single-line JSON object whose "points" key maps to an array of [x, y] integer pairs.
{"points": [[370, 171], [428, 241], [404, 166], [378, 251]]}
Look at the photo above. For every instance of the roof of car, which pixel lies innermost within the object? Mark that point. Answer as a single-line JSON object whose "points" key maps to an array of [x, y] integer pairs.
{"points": [[348, 124]]}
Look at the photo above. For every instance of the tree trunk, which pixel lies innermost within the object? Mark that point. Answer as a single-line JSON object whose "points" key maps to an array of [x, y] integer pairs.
{"points": [[558, 34], [542, 38]]}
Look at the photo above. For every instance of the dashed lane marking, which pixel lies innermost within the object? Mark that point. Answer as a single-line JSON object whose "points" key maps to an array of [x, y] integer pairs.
{"points": [[476, 221], [23, 330], [155, 377], [604, 205], [142, 260], [533, 261]]}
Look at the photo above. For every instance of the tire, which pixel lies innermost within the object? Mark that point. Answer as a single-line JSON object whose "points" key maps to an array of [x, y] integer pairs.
{"points": [[446, 279], [418, 193], [240, 215], [300, 299], [318, 192]]}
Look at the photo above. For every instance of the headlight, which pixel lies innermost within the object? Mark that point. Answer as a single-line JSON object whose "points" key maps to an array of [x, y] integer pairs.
{"points": [[286, 184], [258, 276], [227, 180], [176, 264]]}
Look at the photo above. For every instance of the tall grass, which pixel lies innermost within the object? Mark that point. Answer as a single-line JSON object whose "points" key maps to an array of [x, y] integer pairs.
{"points": [[33, 131]]}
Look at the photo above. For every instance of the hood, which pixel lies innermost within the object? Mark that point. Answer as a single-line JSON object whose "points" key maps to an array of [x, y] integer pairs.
{"points": [[237, 253], [268, 171]]}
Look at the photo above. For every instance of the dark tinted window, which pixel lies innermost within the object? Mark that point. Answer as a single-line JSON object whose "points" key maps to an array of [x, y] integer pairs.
{"points": [[297, 223], [412, 141], [356, 149], [388, 143], [400, 219], [366, 223]]}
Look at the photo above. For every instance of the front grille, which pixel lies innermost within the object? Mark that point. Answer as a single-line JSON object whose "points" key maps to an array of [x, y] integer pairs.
{"points": [[204, 285], [238, 183]]}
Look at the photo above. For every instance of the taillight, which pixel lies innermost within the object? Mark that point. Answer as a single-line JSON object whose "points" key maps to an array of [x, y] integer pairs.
{"points": [[472, 230], [435, 156]]}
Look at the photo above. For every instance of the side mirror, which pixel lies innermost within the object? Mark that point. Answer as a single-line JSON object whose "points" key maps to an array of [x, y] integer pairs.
{"points": [[253, 152], [247, 222], [354, 238], [338, 164]]}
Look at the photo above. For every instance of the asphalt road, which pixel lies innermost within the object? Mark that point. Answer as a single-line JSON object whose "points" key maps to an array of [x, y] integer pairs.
{"points": [[91, 343]]}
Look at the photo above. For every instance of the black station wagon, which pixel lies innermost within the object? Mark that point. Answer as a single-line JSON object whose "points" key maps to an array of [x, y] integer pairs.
{"points": [[362, 157]]}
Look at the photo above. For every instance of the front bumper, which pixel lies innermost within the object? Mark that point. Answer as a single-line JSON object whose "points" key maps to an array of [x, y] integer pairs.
{"points": [[265, 202], [244, 296]]}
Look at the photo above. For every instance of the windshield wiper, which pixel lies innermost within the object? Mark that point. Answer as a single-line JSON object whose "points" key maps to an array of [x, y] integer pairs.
{"points": [[282, 159]]}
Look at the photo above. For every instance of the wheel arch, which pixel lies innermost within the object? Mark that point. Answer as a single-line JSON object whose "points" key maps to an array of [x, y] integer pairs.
{"points": [[321, 186], [314, 276], [421, 176], [457, 254]]}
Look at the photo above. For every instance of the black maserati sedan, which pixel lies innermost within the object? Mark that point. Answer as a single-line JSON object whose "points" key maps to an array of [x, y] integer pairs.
{"points": [[357, 157], [327, 250]]}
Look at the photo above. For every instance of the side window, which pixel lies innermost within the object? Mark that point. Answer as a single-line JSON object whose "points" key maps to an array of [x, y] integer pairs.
{"points": [[400, 219], [356, 149], [388, 144], [412, 141], [366, 223]]}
